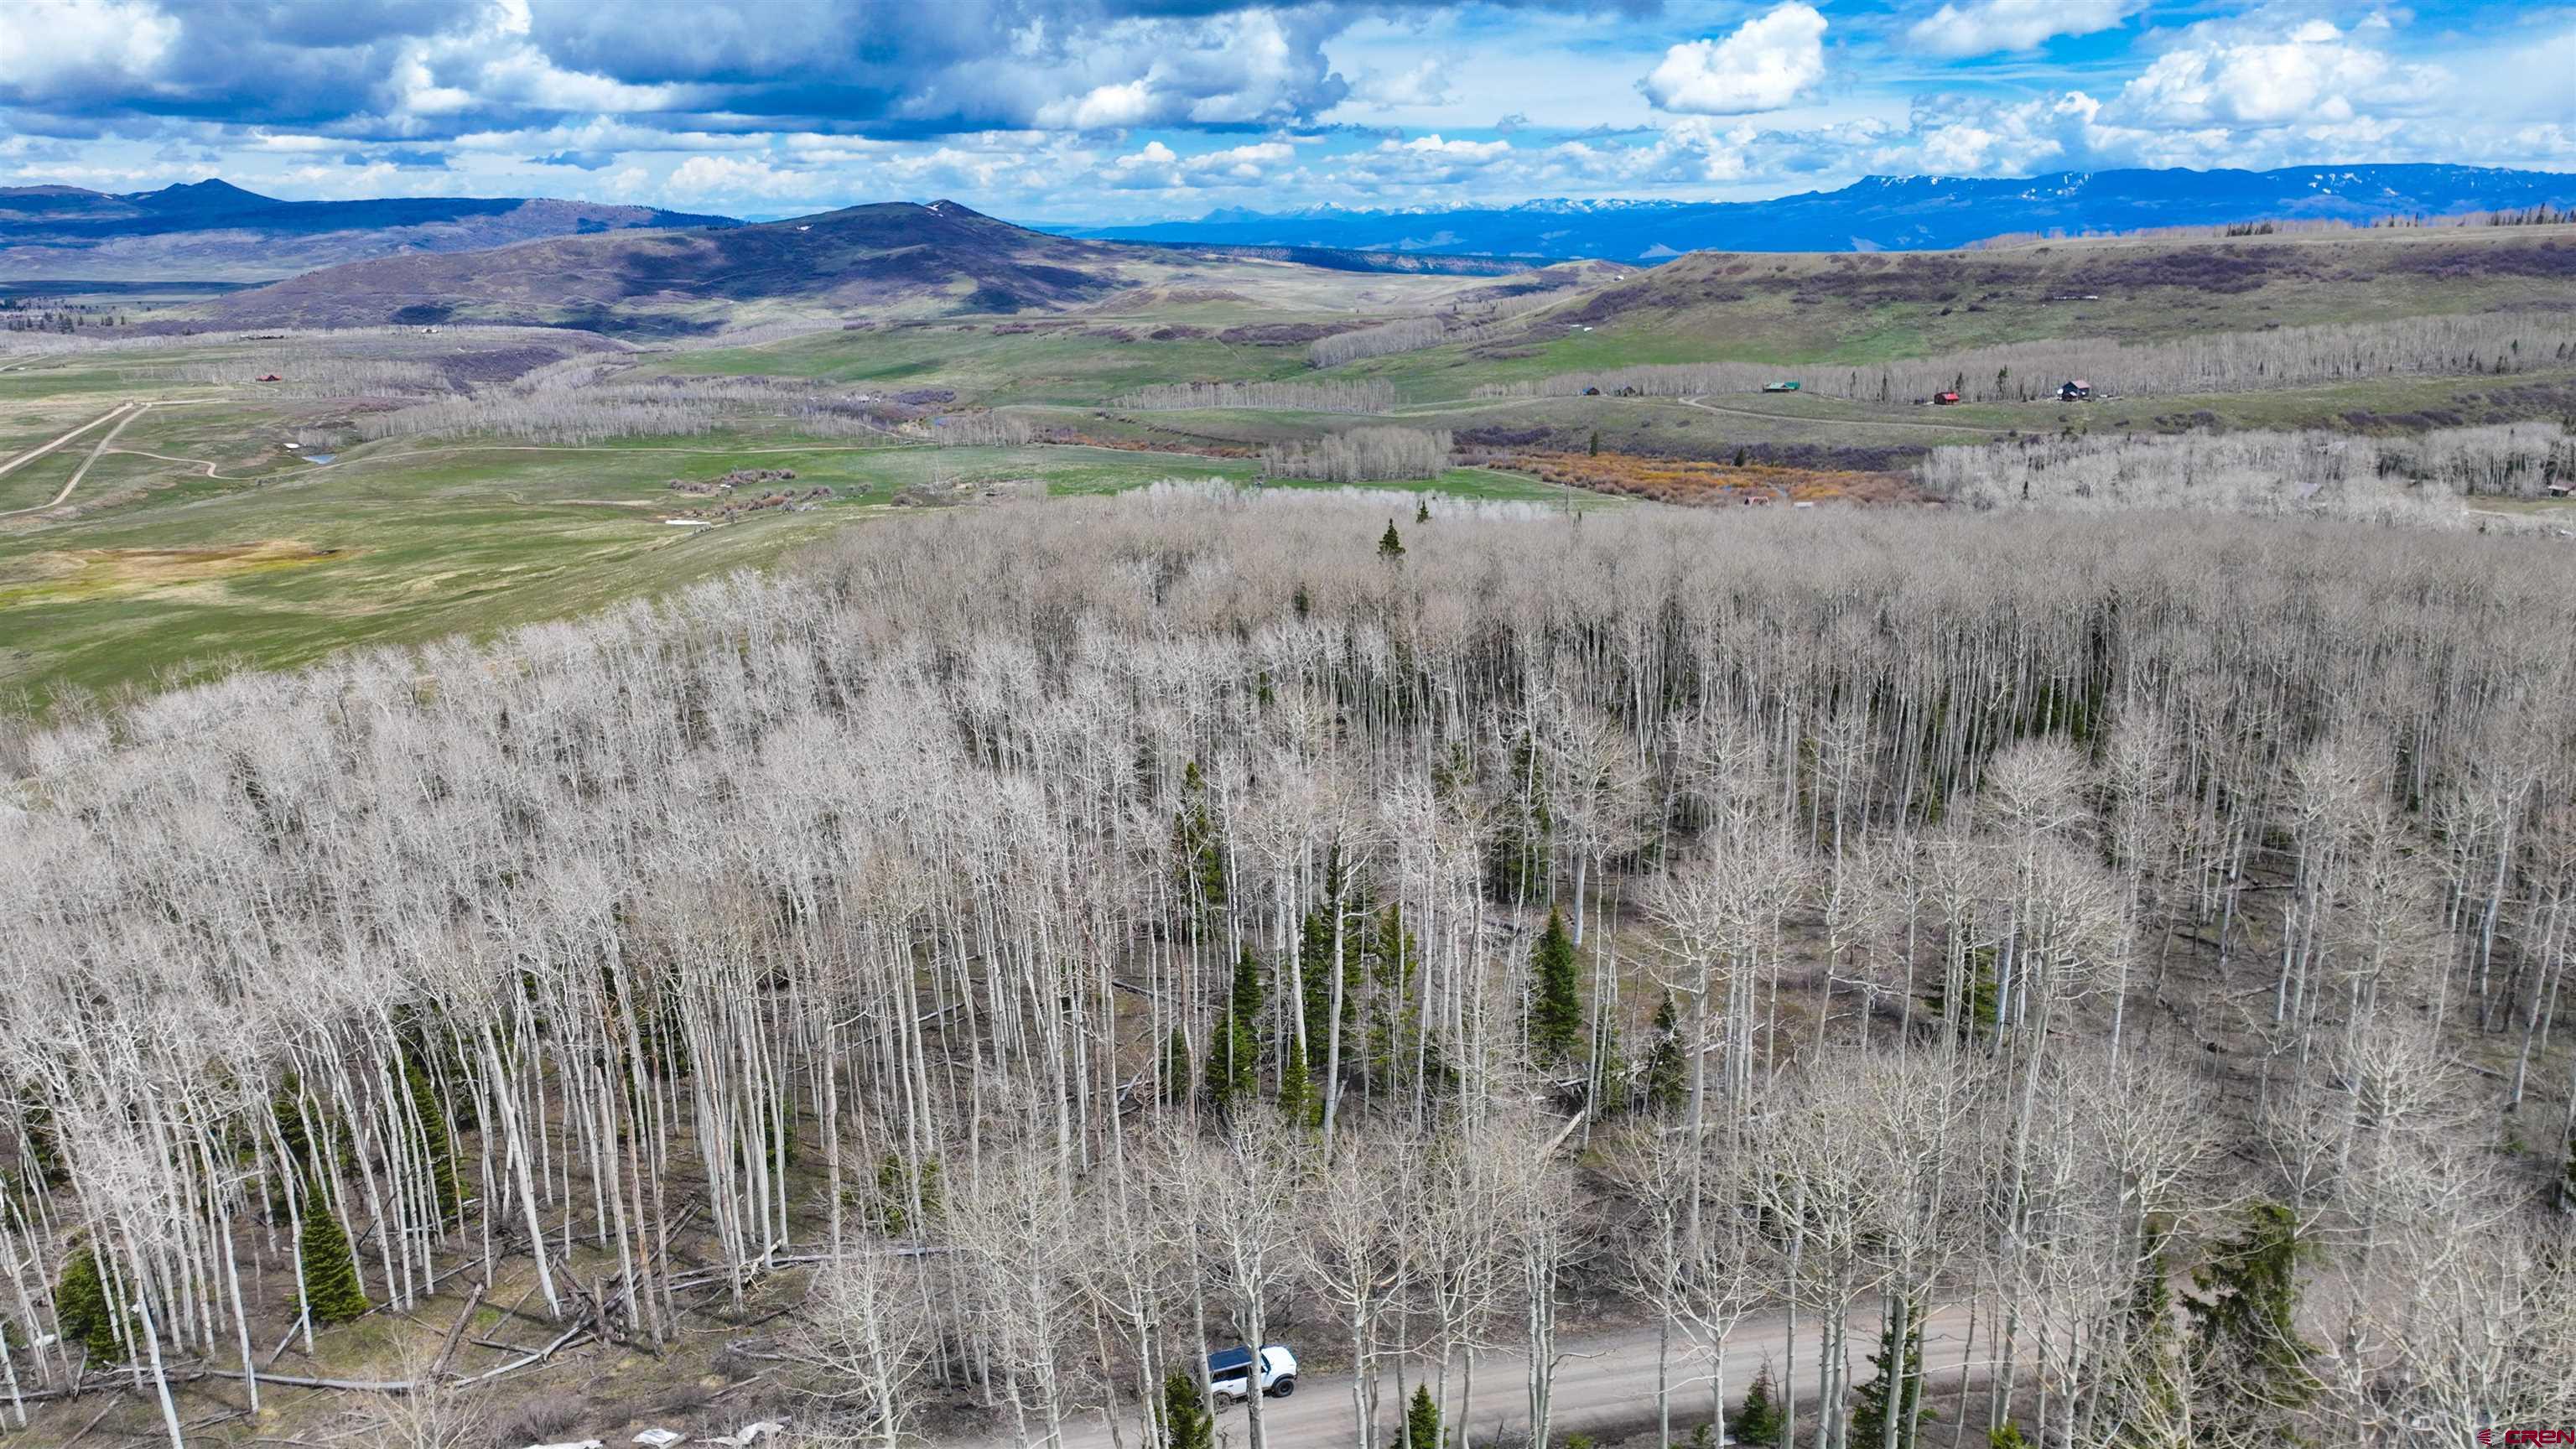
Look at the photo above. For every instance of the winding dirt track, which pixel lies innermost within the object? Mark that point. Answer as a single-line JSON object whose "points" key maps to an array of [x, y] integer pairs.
{"points": [[130, 412], [1604, 1385]]}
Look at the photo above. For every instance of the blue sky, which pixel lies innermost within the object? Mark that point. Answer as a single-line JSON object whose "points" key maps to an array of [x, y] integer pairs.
{"points": [[1097, 110]]}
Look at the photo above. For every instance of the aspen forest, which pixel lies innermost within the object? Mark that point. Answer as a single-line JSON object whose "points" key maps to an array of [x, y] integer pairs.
{"points": [[2031, 978]]}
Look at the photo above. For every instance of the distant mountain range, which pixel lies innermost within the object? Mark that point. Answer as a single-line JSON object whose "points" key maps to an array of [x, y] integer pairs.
{"points": [[215, 231], [1881, 213], [211, 231]]}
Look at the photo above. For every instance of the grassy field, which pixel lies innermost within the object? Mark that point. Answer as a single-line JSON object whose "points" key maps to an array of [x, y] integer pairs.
{"points": [[983, 365], [198, 539], [200, 542]]}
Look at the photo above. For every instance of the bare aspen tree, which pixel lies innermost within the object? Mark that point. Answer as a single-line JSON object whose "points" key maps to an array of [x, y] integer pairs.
{"points": [[866, 1334], [2039, 896]]}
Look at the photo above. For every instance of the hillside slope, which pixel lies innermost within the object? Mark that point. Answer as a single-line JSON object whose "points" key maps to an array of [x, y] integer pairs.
{"points": [[1827, 308], [889, 259], [214, 231], [1889, 213]]}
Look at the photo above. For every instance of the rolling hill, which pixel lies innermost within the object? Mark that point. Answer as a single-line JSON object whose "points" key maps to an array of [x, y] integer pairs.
{"points": [[214, 231], [888, 259], [1886, 213]]}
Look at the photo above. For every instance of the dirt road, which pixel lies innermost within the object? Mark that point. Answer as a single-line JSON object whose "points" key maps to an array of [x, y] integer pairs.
{"points": [[1709, 407], [1603, 1385], [125, 410]]}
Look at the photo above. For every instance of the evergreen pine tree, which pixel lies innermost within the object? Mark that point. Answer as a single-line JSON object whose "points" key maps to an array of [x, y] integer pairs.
{"points": [[2246, 1329], [1556, 1008], [1667, 1076], [1595, 449], [1176, 1067], [1315, 954], [1758, 1422], [1421, 1421], [330, 1267], [894, 1196], [1390, 952], [1516, 865], [290, 1124], [1197, 847], [1390, 544], [896, 1189], [442, 1146], [1422, 511], [1891, 1391], [1977, 1012], [1234, 1053], [1186, 1421], [2146, 1378], [1609, 1069], [1298, 1101], [1315, 967], [82, 1312]]}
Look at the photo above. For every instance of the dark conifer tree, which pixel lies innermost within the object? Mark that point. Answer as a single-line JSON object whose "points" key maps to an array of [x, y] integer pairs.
{"points": [[1176, 1066], [330, 1267], [1894, 1390], [83, 1313], [1667, 1078], [1186, 1421], [1390, 544], [2245, 1331], [1198, 848], [442, 1145], [1555, 1001], [1758, 1421], [1234, 1053], [1421, 1421], [1298, 1102]]}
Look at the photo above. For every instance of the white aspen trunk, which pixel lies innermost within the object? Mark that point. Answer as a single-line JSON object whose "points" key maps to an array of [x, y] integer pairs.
{"points": [[517, 1162], [160, 1378]]}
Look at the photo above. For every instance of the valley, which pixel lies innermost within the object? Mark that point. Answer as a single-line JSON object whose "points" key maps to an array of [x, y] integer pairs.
{"points": [[899, 827]]}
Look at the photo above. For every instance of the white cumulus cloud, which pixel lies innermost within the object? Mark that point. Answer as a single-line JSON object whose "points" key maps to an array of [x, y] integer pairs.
{"points": [[713, 178], [48, 45], [1769, 61], [1981, 27], [2315, 74]]}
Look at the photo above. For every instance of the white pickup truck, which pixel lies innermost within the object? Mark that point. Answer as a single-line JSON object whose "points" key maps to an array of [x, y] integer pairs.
{"points": [[1230, 1373]]}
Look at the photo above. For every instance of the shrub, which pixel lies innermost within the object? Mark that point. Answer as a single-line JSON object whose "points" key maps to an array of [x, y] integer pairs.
{"points": [[538, 1419]]}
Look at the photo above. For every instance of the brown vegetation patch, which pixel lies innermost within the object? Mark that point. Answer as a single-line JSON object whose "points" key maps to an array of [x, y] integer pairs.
{"points": [[1194, 445], [90, 571], [1696, 482], [1287, 334], [148, 567]]}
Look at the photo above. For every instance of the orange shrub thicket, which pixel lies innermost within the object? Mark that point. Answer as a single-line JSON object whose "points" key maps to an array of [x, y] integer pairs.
{"points": [[1698, 482]]}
